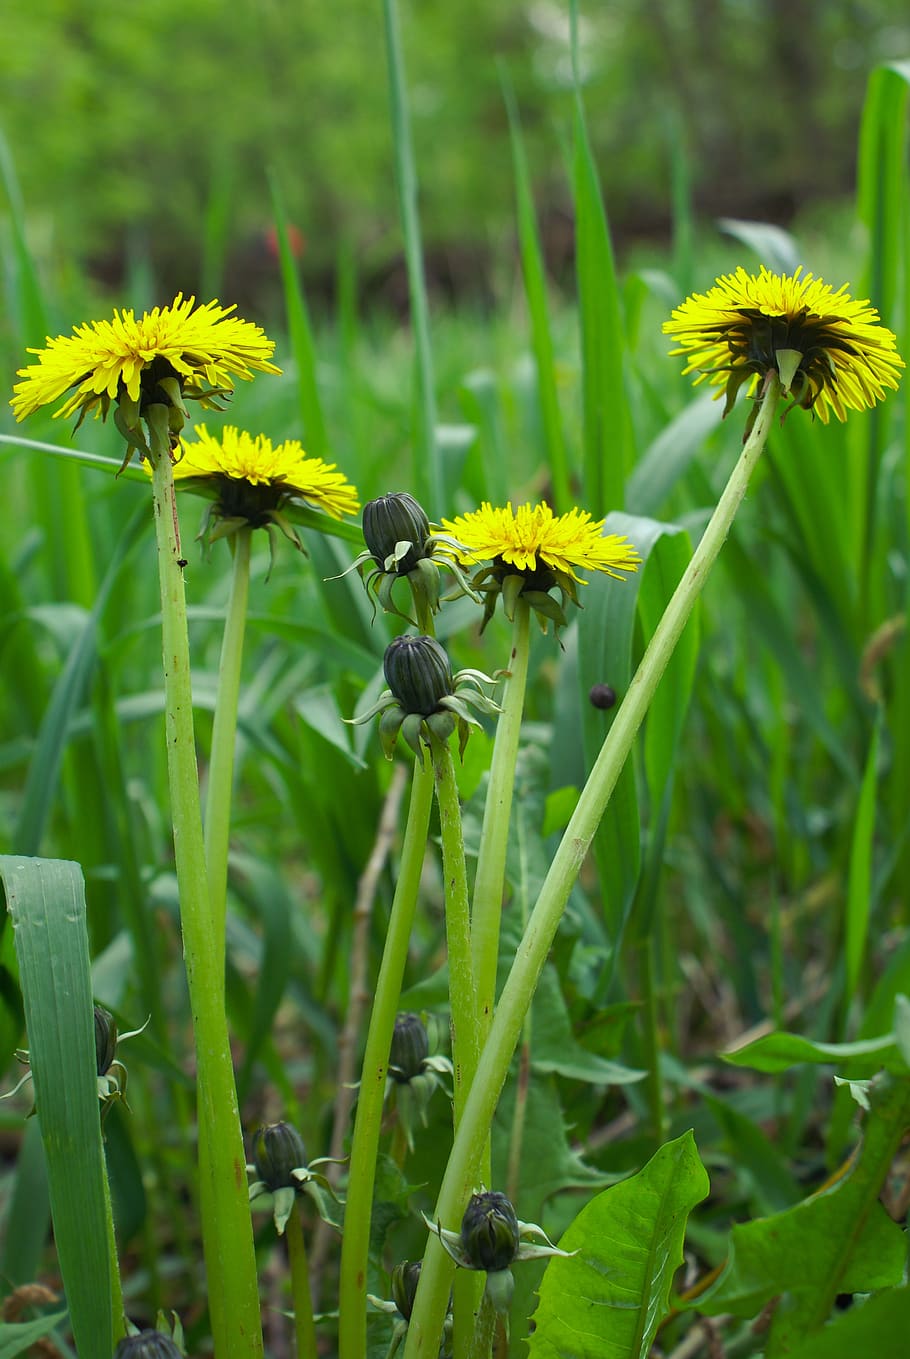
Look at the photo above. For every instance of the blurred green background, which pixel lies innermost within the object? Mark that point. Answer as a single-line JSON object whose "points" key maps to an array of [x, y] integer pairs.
{"points": [[141, 135]]}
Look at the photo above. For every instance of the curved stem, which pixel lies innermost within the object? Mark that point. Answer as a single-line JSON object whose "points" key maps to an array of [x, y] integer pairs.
{"points": [[224, 735], [304, 1325], [352, 1337], [432, 1293], [227, 1233], [494, 835]]}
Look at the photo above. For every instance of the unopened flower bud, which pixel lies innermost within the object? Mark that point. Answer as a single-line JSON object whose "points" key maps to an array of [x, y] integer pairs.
{"points": [[410, 1048], [394, 519], [147, 1345], [277, 1150], [105, 1039], [418, 672], [489, 1232], [405, 1278]]}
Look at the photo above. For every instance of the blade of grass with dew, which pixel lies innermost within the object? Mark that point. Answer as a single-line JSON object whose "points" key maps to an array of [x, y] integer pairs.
{"points": [[46, 902], [554, 451], [608, 452], [427, 478], [44, 766]]}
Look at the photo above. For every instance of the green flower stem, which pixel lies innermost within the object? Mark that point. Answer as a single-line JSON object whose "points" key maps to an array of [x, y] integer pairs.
{"points": [[227, 1233], [462, 991], [484, 1330], [462, 995], [224, 735], [352, 1338], [494, 835], [304, 1325], [432, 1293]]}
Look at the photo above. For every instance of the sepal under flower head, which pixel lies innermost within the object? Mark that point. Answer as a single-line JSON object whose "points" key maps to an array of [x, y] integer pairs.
{"points": [[829, 351], [492, 1239], [279, 1159], [531, 552], [424, 700]]}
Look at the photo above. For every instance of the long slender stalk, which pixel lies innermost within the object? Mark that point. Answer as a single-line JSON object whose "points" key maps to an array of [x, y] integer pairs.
{"points": [[352, 1338], [494, 836], [304, 1325], [462, 991], [429, 1307], [224, 735], [227, 1233]]}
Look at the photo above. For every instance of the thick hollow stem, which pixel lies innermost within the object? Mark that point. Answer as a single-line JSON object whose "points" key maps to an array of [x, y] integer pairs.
{"points": [[494, 836], [462, 991], [227, 1232], [352, 1337], [304, 1325], [224, 735], [432, 1293]]}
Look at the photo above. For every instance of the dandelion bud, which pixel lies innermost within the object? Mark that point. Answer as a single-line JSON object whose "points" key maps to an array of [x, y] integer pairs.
{"points": [[277, 1150], [602, 696], [418, 672], [410, 1048], [147, 1345], [389, 521], [105, 1038], [405, 1277], [489, 1232]]}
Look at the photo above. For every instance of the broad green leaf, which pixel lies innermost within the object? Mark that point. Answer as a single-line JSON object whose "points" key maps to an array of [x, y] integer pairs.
{"points": [[555, 1048], [839, 1241], [780, 1051], [46, 903], [879, 1326], [607, 1301]]}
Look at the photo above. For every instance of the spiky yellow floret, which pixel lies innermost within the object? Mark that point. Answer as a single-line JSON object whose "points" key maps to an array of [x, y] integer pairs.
{"points": [[840, 357], [533, 535], [254, 459], [205, 347]]}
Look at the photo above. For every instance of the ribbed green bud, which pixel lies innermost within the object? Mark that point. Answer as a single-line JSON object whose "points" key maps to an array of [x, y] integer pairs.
{"points": [[418, 672], [277, 1150], [394, 519], [105, 1038], [147, 1345], [489, 1231], [410, 1048], [405, 1277]]}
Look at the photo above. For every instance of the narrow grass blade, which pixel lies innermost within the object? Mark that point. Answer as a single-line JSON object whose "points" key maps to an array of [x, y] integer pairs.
{"points": [[46, 903], [69, 692], [608, 451], [427, 474], [859, 884], [611, 1295], [18, 1338], [28, 1215], [532, 265]]}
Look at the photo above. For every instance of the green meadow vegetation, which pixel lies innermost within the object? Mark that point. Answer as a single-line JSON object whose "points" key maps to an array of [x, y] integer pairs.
{"points": [[669, 1088]]}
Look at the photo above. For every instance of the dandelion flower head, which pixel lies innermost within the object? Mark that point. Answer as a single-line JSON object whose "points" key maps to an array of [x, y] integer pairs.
{"points": [[533, 538], [831, 351], [203, 349]]}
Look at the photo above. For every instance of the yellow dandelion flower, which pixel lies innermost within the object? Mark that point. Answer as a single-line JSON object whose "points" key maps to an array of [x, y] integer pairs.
{"points": [[251, 470], [831, 352], [200, 349], [531, 550]]}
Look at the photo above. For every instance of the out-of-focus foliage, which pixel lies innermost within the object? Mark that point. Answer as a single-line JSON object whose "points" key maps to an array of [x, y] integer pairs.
{"points": [[129, 124]]}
